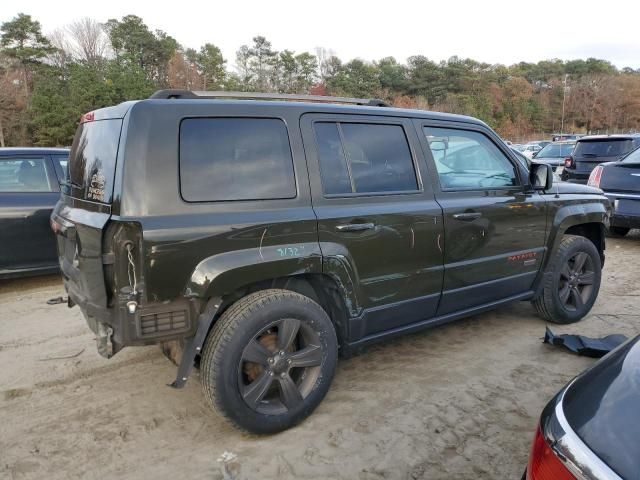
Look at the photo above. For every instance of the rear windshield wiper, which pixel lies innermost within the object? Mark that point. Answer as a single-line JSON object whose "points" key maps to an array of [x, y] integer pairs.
{"points": [[589, 154]]}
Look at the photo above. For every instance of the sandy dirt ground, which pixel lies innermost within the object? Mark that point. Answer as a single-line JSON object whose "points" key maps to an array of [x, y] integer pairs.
{"points": [[459, 401]]}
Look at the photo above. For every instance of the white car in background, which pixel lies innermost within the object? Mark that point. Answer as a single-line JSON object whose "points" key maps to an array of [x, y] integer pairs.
{"points": [[530, 149]]}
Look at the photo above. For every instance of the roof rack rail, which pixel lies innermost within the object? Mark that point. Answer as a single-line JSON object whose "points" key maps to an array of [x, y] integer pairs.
{"points": [[189, 94]]}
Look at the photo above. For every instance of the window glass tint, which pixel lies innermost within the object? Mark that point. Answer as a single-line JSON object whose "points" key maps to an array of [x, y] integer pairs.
{"points": [[235, 159], [633, 157], [556, 150], [93, 160], [333, 165], [23, 175], [374, 158], [61, 166], [606, 148], [468, 160]]}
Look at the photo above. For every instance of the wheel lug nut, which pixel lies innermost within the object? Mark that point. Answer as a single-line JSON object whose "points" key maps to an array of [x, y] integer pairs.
{"points": [[282, 375], [289, 361], [271, 374], [281, 353]]}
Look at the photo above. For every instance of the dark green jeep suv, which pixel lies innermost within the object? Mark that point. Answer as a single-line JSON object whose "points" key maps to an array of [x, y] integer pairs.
{"points": [[258, 237]]}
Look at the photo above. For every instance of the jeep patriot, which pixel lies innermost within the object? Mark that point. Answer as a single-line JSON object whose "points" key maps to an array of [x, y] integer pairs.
{"points": [[256, 237]]}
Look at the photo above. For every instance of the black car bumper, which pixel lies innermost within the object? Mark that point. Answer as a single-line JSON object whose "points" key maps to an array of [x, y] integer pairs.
{"points": [[625, 210], [572, 176]]}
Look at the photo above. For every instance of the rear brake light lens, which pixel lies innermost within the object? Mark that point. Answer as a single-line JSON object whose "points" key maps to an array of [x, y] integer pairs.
{"points": [[594, 178], [544, 463], [568, 162], [87, 117]]}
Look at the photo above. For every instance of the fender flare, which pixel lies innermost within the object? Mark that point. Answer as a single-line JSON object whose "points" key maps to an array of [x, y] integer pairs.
{"points": [[564, 218]]}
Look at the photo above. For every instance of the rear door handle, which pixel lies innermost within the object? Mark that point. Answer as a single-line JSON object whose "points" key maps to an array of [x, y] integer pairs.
{"points": [[467, 215], [355, 227]]}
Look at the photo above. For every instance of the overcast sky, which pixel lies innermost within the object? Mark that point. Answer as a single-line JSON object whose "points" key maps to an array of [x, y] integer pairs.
{"points": [[489, 31]]}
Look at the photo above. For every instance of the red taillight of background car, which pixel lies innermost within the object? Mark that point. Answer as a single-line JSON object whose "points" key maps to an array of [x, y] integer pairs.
{"points": [[568, 162], [544, 464], [87, 117], [594, 178]]}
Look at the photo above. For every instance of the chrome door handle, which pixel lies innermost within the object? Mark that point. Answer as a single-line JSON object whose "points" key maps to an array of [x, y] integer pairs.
{"points": [[355, 227], [467, 215]]}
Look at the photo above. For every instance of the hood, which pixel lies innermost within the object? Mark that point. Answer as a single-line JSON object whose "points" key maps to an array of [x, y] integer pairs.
{"points": [[573, 188]]}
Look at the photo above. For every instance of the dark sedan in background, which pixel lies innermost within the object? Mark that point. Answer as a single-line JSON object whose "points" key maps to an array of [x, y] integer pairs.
{"points": [[553, 154], [620, 182], [591, 429], [594, 150], [29, 189]]}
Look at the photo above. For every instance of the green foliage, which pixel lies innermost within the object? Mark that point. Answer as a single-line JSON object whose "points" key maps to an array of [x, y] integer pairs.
{"points": [[44, 89], [22, 40], [211, 66]]}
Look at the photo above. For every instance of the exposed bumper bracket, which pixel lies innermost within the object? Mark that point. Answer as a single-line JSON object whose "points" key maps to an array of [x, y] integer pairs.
{"points": [[193, 345]]}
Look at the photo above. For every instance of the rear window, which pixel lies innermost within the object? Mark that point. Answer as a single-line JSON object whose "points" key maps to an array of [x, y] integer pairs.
{"points": [[23, 174], [603, 148], [633, 157], [92, 161], [224, 159], [556, 150]]}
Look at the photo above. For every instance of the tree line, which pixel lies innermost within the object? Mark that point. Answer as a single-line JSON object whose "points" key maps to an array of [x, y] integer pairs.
{"points": [[48, 81]]}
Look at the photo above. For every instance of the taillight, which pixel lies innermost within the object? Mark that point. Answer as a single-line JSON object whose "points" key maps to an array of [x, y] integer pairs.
{"points": [[544, 463], [594, 178], [87, 117], [568, 162]]}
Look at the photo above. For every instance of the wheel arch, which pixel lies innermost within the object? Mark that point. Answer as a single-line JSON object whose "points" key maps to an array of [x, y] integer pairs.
{"points": [[319, 287]]}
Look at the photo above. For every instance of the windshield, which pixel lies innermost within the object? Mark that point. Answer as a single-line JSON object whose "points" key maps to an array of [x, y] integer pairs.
{"points": [[603, 148], [556, 150]]}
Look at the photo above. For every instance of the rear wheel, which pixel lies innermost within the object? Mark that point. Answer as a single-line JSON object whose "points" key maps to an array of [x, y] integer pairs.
{"points": [[269, 360], [571, 282], [618, 231]]}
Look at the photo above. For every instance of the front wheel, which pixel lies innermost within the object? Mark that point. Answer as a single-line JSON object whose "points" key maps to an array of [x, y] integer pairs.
{"points": [[571, 282], [269, 360]]}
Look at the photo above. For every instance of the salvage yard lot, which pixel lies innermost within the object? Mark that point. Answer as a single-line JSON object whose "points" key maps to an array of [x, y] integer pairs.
{"points": [[459, 401]]}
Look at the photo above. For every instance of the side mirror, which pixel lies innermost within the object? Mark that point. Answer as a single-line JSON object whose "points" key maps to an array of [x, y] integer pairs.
{"points": [[541, 176]]}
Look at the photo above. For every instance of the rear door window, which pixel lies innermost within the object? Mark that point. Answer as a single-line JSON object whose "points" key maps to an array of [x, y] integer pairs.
{"points": [[24, 174], [364, 158], [606, 148], [93, 160], [224, 159]]}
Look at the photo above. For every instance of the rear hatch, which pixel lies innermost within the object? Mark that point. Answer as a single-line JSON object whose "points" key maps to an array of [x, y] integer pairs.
{"points": [[590, 152], [84, 210]]}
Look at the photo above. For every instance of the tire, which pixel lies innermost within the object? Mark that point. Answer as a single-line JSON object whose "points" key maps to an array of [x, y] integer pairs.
{"points": [[266, 347], [618, 231], [569, 292]]}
